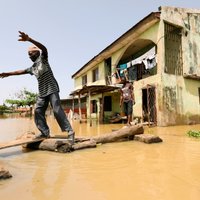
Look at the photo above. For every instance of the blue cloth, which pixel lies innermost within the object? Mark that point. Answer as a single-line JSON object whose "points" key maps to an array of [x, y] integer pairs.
{"points": [[122, 67]]}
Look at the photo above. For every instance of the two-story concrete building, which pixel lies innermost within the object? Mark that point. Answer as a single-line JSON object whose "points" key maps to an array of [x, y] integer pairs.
{"points": [[161, 56]]}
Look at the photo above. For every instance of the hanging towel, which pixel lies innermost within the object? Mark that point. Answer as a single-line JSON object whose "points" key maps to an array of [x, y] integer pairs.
{"points": [[151, 62], [122, 68]]}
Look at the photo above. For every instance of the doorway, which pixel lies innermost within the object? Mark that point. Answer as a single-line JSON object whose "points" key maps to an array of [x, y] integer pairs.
{"points": [[149, 105]]}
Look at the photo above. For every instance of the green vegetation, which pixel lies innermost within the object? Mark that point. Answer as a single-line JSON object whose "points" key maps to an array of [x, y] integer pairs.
{"points": [[23, 98], [4, 109], [193, 133]]}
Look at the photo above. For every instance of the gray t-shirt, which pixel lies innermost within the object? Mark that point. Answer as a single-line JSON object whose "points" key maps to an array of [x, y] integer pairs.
{"points": [[47, 83]]}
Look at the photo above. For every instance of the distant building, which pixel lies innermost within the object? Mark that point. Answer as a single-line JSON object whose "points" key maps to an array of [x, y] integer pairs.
{"points": [[161, 56], [72, 104]]}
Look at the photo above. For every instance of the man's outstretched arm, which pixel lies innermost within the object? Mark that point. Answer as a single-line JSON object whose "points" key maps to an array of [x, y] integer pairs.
{"points": [[25, 37], [18, 72]]}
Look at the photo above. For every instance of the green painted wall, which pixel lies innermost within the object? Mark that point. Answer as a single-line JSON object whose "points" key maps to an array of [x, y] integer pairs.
{"points": [[177, 98], [180, 95]]}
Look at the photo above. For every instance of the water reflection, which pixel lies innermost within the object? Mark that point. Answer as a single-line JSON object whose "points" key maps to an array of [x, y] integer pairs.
{"points": [[123, 170]]}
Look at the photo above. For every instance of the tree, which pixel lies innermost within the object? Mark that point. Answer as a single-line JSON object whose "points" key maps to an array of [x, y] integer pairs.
{"points": [[23, 98], [30, 98], [3, 109]]}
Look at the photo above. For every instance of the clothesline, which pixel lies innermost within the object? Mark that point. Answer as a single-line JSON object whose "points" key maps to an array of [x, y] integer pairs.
{"points": [[149, 55]]}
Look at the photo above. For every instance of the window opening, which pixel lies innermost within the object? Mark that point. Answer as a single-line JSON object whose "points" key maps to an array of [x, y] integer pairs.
{"points": [[94, 106], [108, 71], [173, 50], [95, 75], [84, 80], [107, 103]]}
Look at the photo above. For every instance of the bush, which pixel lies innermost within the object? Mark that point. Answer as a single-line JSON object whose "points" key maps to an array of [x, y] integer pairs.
{"points": [[193, 133]]}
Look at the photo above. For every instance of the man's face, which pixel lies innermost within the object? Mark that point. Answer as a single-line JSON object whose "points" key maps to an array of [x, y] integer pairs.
{"points": [[33, 55]]}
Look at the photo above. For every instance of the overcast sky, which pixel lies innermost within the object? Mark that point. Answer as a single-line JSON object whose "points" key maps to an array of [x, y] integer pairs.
{"points": [[74, 31]]}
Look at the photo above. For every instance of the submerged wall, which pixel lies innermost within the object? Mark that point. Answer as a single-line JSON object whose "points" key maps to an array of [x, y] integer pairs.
{"points": [[181, 96]]}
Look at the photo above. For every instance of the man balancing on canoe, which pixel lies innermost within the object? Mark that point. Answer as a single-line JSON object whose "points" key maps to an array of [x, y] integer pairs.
{"points": [[48, 88]]}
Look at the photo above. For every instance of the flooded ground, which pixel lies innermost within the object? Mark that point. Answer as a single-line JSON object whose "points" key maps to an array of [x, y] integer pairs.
{"points": [[116, 171]]}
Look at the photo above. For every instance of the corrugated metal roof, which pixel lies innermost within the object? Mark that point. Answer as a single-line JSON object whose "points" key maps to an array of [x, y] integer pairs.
{"points": [[94, 89]]}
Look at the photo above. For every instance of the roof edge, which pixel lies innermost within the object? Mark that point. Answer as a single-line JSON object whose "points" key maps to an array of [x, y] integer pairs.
{"points": [[151, 15]]}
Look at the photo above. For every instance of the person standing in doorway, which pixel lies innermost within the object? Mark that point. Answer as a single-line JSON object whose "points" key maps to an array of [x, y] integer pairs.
{"points": [[47, 86], [127, 99]]}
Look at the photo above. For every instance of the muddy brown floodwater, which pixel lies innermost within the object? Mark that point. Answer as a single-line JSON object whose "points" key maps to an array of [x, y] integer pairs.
{"points": [[115, 171]]}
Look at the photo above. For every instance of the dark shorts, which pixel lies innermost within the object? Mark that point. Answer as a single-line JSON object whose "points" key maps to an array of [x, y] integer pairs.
{"points": [[128, 108]]}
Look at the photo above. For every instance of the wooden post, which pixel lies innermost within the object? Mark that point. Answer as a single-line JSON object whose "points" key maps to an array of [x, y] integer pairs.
{"points": [[89, 100], [101, 101], [79, 105], [73, 107], [148, 109]]}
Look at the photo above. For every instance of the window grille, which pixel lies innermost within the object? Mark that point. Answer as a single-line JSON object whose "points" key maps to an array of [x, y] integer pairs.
{"points": [[173, 50]]}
